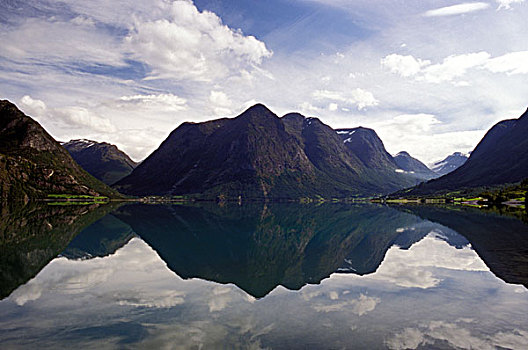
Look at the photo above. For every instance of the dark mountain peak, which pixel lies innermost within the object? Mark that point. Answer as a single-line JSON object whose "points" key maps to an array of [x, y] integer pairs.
{"points": [[403, 154], [257, 111]]}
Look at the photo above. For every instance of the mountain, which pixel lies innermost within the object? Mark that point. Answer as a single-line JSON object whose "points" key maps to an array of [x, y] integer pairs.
{"points": [[101, 159], [368, 147], [257, 155], [452, 162], [500, 157], [33, 164], [102, 238], [381, 166], [413, 166]]}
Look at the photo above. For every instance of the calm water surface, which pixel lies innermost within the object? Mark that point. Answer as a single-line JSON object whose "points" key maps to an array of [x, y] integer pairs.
{"points": [[276, 276]]}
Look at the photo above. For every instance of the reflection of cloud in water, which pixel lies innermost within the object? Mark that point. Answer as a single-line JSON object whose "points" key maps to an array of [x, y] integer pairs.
{"points": [[359, 306], [133, 292], [110, 278], [415, 266], [220, 298], [457, 335], [331, 301], [161, 299]]}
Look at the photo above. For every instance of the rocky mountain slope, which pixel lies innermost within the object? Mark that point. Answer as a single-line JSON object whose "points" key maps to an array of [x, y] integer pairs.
{"points": [[33, 164], [102, 160]]}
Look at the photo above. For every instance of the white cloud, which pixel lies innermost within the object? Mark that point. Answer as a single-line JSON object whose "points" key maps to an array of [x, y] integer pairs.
{"points": [[162, 101], [456, 66], [332, 107], [510, 63], [506, 4], [457, 9], [194, 45], [358, 97], [74, 117], [405, 66], [452, 67], [221, 104], [74, 43]]}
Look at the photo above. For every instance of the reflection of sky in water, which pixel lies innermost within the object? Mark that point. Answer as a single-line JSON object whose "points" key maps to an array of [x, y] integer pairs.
{"points": [[431, 294]]}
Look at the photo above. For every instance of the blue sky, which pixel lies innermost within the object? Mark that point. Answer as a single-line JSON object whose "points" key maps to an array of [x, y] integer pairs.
{"points": [[429, 76]]}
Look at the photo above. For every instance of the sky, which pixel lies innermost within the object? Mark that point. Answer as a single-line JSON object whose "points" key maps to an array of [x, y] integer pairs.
{"points": [[431, 77]]}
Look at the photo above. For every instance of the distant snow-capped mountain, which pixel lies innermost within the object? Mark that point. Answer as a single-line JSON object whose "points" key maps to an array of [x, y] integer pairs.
{"points": [[101, 159], [452, 162]]}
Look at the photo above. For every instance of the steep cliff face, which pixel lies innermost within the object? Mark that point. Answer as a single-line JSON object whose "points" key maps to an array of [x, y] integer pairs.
{"points": [[33, 164]]}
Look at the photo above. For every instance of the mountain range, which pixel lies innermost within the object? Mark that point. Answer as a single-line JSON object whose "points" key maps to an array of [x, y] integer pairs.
{"points": [[259, 155], [102, 160], [256, 155], [501, 157], [34, 165]]}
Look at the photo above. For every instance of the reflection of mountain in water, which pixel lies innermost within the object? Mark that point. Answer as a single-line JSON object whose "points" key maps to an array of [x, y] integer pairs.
{"points": [[102, 238], [257, 247], [260, 247], [501, 241], [31, 236]]}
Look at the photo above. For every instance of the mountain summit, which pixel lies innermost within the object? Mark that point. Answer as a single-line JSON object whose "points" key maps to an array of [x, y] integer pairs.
{"points": [[259, 155]]}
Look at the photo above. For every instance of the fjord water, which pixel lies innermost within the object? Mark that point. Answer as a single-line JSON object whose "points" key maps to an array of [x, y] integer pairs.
{"points": [[279, 276]]}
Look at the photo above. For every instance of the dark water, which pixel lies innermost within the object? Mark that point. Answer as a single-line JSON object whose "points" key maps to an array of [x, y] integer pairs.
{"points": [[277, 276]]}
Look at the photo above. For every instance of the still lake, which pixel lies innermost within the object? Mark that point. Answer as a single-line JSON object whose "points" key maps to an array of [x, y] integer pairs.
{"points": [[262, 276]]}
